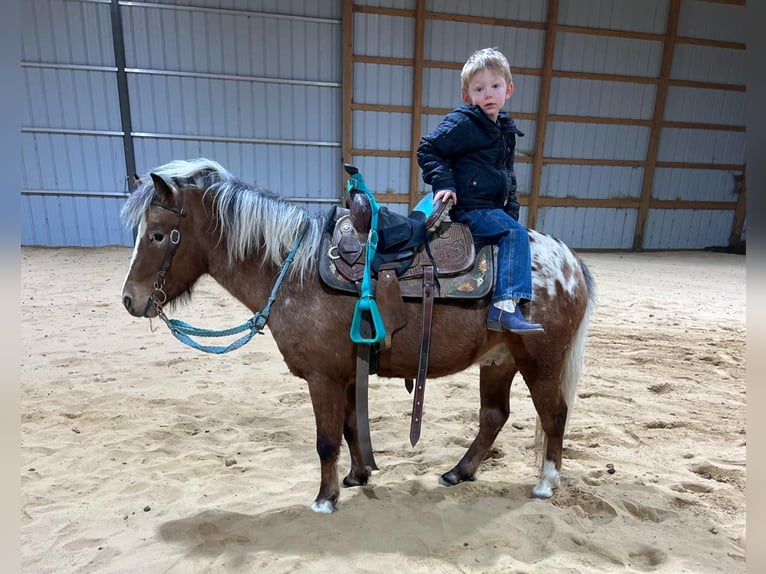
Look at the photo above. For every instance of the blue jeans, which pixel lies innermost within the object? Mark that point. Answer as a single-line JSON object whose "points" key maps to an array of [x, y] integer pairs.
{"points": [[513, 276]]}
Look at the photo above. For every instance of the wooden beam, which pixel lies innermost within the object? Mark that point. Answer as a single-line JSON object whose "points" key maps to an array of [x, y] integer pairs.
{"points": [[701, 165], [348, 78], [593, 161], [659, 111], [487, 21], [708, 85], [634, 203], [611, 33], [739, 213], [379, 152], [381, 11], [730, 2], [542, 111], [417, 100]]}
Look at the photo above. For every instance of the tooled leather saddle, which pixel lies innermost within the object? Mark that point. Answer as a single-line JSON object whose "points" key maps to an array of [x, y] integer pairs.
{"points": [[418, 256]]}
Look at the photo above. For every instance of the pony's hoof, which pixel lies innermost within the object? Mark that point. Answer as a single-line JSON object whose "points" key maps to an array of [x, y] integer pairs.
{"points": [[350, 481], [452, 479], [323, 506], [542, 491]]}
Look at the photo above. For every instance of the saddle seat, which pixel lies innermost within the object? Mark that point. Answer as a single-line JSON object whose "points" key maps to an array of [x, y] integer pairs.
{"points": [[460, 271]]}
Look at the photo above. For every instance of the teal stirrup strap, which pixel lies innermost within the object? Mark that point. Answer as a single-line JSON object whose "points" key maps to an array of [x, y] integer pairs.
{"points": [[366, 308]]}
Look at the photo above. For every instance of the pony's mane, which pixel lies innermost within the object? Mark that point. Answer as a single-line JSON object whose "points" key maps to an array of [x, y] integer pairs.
{"points": [[248, 217]]}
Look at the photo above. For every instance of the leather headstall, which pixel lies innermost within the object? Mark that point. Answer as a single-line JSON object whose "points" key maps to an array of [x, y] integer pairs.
{"points": [[173, 240]]}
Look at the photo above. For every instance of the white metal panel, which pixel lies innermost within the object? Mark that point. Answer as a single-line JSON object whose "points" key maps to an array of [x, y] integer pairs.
{"points": [[633, 15], [245, 44], [448, 41], [382, 130], [596, 141], [693, 145], [685, 104], [240, 109], [298, 8], [306, 172], [380, 35], [383, 84], [71, 99], [589, 227], [694, 184], [61, 220], [711, 20], [66, 32], [591, 181], [600, 98], [72, 163], [385, 174], [687, 228], [708, 64], [607, 55]]}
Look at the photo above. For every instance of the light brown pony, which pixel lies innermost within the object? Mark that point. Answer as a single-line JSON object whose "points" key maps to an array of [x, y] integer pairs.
{"points": [[194, 218]]}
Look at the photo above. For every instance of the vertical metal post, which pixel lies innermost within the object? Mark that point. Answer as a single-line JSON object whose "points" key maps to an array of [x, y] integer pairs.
{"points": [[122, 92]]}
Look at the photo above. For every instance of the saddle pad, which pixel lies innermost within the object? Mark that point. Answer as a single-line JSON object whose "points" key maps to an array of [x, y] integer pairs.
{"points": [[475, 282]]}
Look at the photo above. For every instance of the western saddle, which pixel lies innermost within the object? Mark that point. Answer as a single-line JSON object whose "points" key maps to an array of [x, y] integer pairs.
{"points": [[419, 256]]}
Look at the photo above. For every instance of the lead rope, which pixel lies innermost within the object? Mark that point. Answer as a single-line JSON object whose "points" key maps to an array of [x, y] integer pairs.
{"points": [[183, 331]]}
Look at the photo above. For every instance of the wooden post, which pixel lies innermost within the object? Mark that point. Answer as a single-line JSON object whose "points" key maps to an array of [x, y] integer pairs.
{"points": [[656, 129], [735, 239], [348, 85], [542, 112], [417, 101]]}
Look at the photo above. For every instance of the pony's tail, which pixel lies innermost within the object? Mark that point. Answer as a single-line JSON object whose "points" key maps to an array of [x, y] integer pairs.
{"points": [[570, 377]]}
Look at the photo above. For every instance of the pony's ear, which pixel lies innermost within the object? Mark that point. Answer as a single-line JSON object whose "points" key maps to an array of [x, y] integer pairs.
{"points": [[166, 192]]}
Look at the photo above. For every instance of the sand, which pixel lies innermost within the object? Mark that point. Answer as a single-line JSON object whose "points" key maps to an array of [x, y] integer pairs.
{"points": [[140, 454]]}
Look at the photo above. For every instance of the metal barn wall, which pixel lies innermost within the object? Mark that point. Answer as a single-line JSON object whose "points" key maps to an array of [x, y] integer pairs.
{"points": [[73, 164], [633, 111], [255, 85]]}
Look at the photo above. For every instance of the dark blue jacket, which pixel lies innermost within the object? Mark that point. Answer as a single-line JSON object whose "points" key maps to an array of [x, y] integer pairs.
{"points": [[473, 156]]}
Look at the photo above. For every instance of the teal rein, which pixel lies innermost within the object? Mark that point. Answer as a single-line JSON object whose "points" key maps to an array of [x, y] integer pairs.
{"points": [[183, 331]]}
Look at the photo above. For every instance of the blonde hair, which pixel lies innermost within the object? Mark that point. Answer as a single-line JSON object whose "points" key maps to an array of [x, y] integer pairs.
{"points": [[485, 59]]}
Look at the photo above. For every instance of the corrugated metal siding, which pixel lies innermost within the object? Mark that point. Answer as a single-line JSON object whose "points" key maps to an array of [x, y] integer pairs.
{"points": [[629, 15], [712, 21], [687, 228], [259, 89], [522, 46], [260, 92], [72, 155], [589, 227], [254, 85], [592, 181]]}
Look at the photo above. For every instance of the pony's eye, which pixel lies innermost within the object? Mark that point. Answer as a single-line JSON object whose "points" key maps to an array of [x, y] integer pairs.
{"points": [[157, 237]]}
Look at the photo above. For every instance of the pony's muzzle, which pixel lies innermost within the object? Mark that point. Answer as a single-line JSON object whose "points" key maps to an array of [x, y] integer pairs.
{"points": [[147, 311]]}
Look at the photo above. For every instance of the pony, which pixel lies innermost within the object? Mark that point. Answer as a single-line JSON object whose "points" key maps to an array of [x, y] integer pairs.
{"points": [[193, 217]]}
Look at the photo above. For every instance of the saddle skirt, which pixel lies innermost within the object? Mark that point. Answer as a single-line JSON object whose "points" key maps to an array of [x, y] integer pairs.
{"points": [[461, 272]]}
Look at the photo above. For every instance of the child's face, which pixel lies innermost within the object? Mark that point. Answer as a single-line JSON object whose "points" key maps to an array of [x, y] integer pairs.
{"points": [[489, 91]]}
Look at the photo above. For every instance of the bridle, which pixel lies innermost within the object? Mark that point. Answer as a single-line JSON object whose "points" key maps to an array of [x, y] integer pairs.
{"points": [[158, 297], [183, 331]]}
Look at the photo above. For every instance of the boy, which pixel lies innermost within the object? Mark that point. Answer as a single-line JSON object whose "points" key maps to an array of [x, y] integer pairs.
{"points": [[469, 158]]}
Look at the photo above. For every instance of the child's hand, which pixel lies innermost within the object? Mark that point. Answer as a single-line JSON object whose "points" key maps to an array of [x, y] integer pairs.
{"points": [[444, 195]]}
